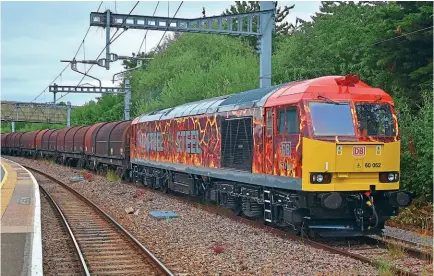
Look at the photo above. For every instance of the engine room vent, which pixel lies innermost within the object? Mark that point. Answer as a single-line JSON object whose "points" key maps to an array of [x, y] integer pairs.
{"points": [[237, 143]]}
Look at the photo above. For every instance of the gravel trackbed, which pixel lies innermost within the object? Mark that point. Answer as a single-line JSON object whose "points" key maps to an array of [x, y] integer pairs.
{"points": [[198, 242]]}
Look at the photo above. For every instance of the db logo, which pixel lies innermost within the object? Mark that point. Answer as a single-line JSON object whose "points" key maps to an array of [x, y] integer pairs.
{"points": [[359, 151]]}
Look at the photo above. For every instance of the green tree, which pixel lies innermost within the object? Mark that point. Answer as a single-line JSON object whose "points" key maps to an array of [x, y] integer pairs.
{"points": [[404, 48], [417, 146], [282, 28], [193, 67]]}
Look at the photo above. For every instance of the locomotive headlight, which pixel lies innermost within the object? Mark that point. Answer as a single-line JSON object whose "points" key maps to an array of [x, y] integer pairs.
{"points": [[387, 177], [320, 178], [391, 177]]}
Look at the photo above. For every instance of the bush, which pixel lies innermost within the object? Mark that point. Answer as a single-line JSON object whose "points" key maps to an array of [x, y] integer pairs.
{"points": [[416, 217], [417, 147], [112, 176]]}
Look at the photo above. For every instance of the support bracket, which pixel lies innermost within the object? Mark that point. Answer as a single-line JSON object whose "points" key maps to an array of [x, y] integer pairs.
{"points": [[139, 64], [256, 24], [79, 89], [222, 24], [74, 67]]}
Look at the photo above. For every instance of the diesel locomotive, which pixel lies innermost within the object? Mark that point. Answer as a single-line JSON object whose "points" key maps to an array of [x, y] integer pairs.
{"points": [[319, 156]]}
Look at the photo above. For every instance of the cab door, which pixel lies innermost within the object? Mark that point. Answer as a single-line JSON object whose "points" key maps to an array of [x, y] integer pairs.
{"points": [[286, 141], [268, 154]]}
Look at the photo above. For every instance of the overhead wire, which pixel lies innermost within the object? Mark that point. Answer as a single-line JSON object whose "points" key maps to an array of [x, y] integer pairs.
{"points": [[170, 21], [146, 33], [370, 45], [162, 37], [67, 65], [392, 38], [110, 42]]}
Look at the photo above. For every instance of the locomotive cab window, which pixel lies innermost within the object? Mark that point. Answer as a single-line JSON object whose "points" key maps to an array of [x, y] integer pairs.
{"points": [[269, 123], [375, 119], [288, 121], [329, 119]]}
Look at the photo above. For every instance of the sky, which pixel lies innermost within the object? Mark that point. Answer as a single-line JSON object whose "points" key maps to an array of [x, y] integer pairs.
{"points": [[35, 36]]}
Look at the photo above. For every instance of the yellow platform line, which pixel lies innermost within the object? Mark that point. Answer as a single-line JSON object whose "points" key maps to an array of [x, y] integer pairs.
{"points": [[7, 186]]}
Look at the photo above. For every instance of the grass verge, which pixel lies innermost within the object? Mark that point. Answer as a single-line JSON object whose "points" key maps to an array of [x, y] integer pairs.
{"points": [[418, 217], [112, 176]]}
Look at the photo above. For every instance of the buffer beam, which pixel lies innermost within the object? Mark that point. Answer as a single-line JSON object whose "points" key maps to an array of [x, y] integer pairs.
{"points": [[223, 24]]}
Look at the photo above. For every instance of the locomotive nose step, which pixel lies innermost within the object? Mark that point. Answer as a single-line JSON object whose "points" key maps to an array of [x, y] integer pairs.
{"points": [[268, 216]]}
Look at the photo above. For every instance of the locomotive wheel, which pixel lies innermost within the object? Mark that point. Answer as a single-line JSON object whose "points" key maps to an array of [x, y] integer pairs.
{"points": [[237, 210]]}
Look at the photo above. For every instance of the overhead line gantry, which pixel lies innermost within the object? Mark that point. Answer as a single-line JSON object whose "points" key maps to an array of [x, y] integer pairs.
{"points": [[222, 24]]}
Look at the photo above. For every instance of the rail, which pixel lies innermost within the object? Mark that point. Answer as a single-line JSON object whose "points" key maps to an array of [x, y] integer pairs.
{"points": [[278, 232], [71, 235], [290, 236], [158, 264]]}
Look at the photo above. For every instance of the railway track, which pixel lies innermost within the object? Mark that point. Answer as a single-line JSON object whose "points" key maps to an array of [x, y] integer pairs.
{"points": [[381, 249], [59, 254], [413, 249], [103, 246], [381, 242], [366, 250], [356, 250]]}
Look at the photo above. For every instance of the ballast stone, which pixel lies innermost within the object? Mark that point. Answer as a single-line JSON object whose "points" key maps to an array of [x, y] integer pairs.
{"points": [[129, 210]]}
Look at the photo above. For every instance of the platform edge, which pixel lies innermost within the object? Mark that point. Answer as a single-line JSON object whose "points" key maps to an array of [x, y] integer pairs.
{"points": [[36, 262]]}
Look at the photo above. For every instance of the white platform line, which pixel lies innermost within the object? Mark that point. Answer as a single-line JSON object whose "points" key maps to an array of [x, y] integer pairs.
{"points": [[36, 263]]}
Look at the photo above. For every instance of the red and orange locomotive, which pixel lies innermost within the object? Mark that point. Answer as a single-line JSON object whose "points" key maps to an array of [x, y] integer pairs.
{"points": [[320, 154]]}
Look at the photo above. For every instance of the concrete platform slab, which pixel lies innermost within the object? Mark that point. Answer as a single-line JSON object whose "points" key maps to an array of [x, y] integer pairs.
{"points": [[21, 244]]}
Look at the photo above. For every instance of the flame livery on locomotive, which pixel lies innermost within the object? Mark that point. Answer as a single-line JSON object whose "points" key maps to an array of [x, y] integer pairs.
{"points": [[319, 156]]}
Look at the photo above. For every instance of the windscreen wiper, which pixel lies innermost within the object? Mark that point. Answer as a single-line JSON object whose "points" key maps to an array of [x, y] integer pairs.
{"points": [[328, 100]]}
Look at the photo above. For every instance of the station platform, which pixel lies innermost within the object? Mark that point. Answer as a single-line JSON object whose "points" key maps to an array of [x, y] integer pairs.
{"points": [[21, 241]]}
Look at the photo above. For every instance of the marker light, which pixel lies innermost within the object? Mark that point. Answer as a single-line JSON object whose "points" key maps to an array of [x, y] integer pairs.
{"points": [[320, 178], [391, 177], [387, 177]]}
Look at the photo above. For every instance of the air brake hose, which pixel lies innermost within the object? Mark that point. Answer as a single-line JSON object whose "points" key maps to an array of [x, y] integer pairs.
{"points": [[375, 212]]}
